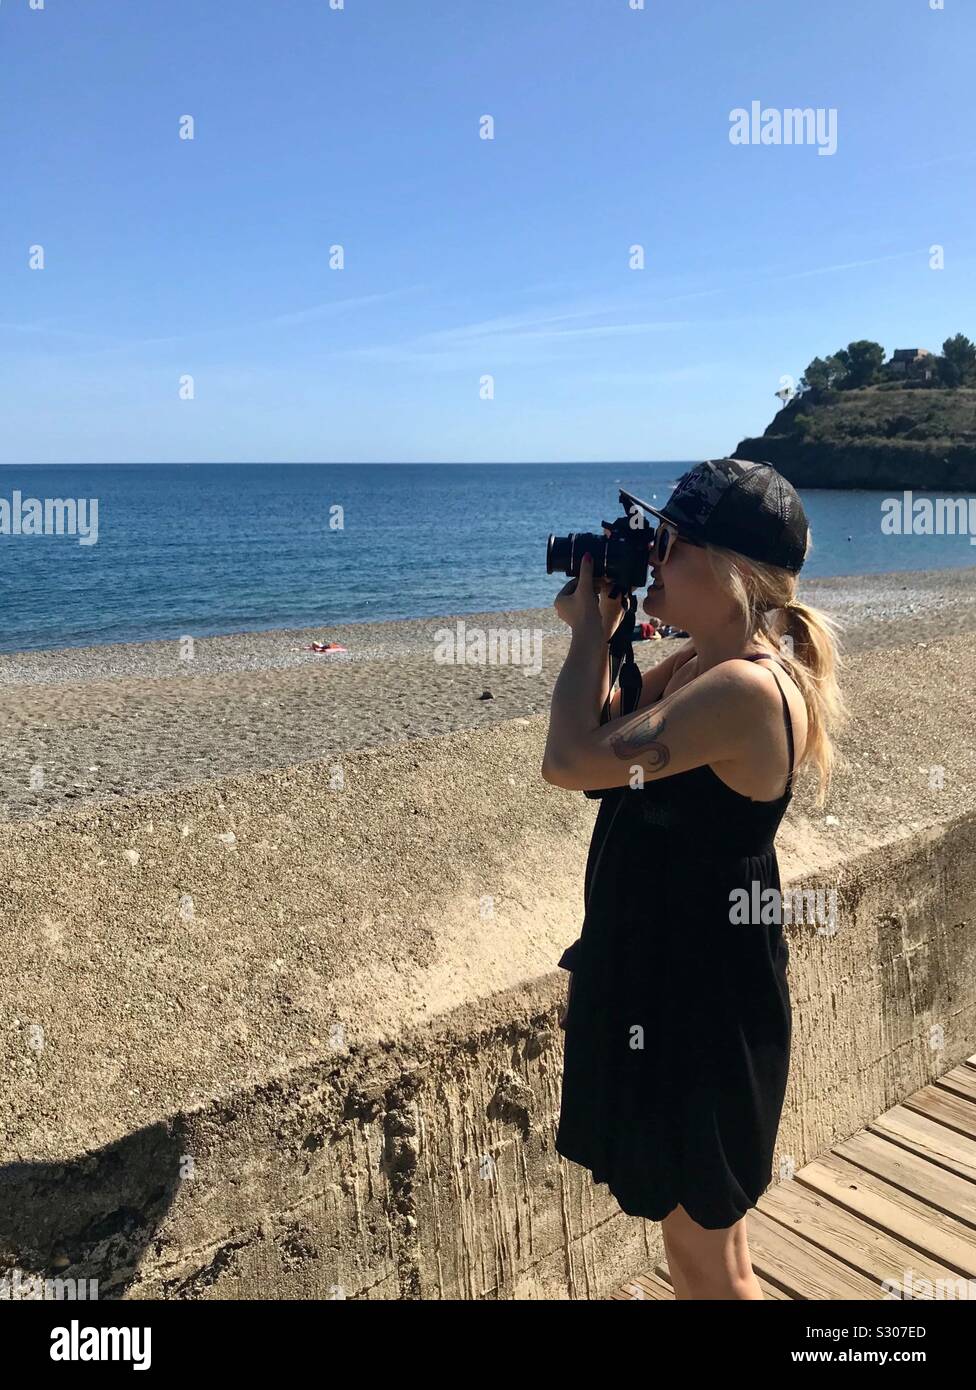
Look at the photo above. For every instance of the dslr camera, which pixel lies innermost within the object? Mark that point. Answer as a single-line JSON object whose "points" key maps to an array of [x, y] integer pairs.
{"points": [[620, 553]]}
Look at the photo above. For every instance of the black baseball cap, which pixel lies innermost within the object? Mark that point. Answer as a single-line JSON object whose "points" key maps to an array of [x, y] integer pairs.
{"points": [[743, 506]]}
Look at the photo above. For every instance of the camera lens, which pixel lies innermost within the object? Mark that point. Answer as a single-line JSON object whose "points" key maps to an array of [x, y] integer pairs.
{"points": [[559, 555], [564, 553]]}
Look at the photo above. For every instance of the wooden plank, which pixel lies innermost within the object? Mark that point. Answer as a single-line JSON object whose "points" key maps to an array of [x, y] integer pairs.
{"points": [[948, 1109], [927, 1137], [846, 1237], [798, 1266], [645, 1286], [771, 1292], [912, 1172], [898, 1196], [961, 1081], [655, 1288], [950, 1242]]}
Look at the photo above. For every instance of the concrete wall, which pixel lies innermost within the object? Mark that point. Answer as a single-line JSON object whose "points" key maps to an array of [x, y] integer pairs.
{"points": [[321, 1058]]}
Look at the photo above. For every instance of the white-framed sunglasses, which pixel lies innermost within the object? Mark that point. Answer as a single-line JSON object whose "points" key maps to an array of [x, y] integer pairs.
{"points": [[662, 542]]}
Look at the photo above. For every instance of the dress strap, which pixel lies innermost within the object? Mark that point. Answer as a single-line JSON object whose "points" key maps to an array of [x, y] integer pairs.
{"points": [[787, 717]]}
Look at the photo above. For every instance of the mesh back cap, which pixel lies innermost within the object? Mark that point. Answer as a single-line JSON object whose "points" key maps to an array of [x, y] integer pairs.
{"points": [[743, 506]]}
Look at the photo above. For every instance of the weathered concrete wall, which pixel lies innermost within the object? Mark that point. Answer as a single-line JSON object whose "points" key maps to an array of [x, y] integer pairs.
{"points": [[269, 1038], [887, 1002]]}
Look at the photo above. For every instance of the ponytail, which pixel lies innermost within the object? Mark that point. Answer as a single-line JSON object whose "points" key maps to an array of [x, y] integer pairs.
{"points": [[804, 638]]}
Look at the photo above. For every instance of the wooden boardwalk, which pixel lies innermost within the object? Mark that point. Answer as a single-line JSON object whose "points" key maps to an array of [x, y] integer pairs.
{"points": [[897, 1197]]}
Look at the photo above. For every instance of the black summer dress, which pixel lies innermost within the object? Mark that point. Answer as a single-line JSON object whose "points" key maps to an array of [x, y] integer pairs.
{"points": [[678, 1025]]}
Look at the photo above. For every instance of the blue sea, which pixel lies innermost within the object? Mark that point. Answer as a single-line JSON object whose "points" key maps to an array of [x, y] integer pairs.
{"points": [[201, 549]]}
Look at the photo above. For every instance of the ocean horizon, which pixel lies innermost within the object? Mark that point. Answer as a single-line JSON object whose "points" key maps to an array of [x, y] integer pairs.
{"points": [[205, 549]]}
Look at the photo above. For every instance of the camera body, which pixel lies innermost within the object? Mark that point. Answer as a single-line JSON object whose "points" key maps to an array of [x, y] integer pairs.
{"points": [[620, 553]]}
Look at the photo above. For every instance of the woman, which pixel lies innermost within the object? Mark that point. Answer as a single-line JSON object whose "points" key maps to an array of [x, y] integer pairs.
{"points": [[679, 1021]]}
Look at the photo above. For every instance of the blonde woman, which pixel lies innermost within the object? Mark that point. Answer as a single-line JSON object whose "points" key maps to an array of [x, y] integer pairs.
{"points": [[678, 1027]]}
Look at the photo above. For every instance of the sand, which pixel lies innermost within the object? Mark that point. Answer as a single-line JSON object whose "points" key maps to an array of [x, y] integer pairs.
{"points": [[98, 723]]}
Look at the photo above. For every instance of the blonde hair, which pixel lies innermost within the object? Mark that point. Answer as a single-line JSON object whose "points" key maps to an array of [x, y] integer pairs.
{"points": [[804, 638]]}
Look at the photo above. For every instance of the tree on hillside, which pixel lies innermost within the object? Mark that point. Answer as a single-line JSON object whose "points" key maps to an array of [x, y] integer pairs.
{"points": [[862, 362], [957, 365], [822, 374]]}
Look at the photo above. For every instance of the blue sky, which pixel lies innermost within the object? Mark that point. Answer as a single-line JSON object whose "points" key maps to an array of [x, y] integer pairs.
{"points": [[464, 257]]}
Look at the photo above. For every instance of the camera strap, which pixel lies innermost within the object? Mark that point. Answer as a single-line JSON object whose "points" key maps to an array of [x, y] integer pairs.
{"points": [[624, 668]]}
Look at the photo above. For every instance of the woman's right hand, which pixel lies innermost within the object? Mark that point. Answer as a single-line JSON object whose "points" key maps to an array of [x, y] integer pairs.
{"points": [[611, 609]]}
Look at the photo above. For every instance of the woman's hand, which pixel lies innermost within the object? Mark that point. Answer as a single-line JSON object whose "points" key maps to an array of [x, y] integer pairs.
{"points": [[580, 612], [578, 603], [611, 609]]}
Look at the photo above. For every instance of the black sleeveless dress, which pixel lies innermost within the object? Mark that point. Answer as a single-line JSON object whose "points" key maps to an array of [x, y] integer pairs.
{"points": [[678, 1027]]}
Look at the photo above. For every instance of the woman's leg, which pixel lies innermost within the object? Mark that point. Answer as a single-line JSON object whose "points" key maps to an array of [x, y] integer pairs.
{"points": [[674, 1265], [708, 1264]]}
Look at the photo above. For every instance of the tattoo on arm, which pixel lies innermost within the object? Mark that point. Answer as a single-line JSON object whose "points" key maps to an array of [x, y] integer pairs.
{"points": [[643, 745]]}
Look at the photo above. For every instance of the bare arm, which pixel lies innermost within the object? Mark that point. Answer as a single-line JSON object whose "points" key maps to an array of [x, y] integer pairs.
{"points": [[654, 681], [721, 716]]}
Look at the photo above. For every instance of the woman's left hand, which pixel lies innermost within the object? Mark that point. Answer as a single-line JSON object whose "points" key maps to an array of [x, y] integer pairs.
{"points": [[578, 603]]}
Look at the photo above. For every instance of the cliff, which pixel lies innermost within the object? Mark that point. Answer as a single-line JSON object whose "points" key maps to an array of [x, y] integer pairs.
{"points": [[877, 437]]}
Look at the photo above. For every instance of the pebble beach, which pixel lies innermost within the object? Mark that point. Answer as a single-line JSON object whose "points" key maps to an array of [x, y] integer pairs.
{"points": [[89, 724]]}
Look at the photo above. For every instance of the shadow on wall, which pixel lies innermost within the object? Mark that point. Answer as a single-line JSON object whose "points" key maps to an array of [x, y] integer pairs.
{"points": [[92, 1218]]}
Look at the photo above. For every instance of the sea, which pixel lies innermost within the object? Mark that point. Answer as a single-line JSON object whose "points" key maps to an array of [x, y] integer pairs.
{"points": [[201, 549]]}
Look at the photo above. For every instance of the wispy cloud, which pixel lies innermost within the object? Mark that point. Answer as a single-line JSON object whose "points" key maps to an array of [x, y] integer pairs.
{"points": [[965, 158], [44, 327], [313, 313], [848, 265], [316, 312], [522, 338], [548, 334], [651, 377], [515, 324]]}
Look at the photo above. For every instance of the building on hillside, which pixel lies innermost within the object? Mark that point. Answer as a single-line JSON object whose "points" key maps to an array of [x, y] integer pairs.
{"points": [[916, 364]]}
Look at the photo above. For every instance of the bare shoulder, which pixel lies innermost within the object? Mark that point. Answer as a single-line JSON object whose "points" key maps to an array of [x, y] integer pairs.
{"points": [[674, 673], [762, 686], [660, 679], [682, 655], [745, 688]]}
